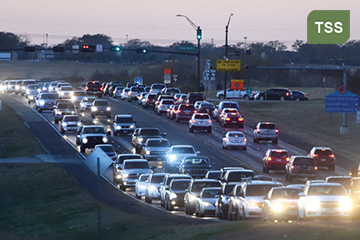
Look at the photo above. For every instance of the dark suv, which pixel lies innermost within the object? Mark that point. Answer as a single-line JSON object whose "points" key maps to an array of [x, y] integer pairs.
{"points": [[281, 94], [300, 167], [93, 88], [185, 112], [324, 157], [195, 166], [275, 159]]}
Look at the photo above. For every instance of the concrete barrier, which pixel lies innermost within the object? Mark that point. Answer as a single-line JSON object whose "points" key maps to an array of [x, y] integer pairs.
{"points": [[105, 163]]}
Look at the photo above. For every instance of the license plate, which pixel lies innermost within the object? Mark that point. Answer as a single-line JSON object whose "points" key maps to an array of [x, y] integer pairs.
{"points": [[330, 210], [323, 160], [202, 122], [125, 131], [236, 141], [233, 121], [101, 111], [278, 160]]}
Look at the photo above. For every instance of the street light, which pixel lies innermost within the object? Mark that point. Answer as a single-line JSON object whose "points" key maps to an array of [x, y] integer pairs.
{"points": [[226, 51], [198, 37]]}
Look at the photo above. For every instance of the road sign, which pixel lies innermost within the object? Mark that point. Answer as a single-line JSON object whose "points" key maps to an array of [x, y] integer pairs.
{"points": [[228, 65], [139, 80], [187, 48], [167, 71], [342, 103], [248, 91], [99, 48]]}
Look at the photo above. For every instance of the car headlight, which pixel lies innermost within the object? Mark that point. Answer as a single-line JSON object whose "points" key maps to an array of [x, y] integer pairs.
{"points": [[147, 152], [192, 197], [94, 109], [31, 97], [105, 139], [82, 104], [42, 102], [345, 205], [125, 175], [27, 91], [173, 195], [118, 176], [108, 109], [252, 204], [142, 187], [206, 204], [312, 205], [153, 188], [172, 157], [118, 127], [84, 140], [79, 124], [139, 140], [73, 98], [61, 94], [65, 124], [39, 90], [277, 207], [132, 126]]}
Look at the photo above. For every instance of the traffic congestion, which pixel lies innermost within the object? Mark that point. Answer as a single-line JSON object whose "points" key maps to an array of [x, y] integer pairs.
{"points": [[183, 153]]}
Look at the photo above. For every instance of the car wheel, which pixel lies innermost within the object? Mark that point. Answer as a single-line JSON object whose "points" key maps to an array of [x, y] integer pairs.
{"points": [[297, 99], [246, 97], [275, 141], [263, 216], [148, 200], [39, 110], [261, 98], [115, 133], [244, 216], [191, 129], [162, 203], [230, 214], [170, 207], [266, 169], [137, 196], [62, 130], [209, 130], [56, 121], [221, 97], [290, 178], [237, 216], [82, 149], [122, 187], [282, 99], [92, 115], [177, 120], [186, 209]]}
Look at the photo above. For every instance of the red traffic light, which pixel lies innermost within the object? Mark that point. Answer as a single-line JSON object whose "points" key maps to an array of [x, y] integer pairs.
{"points": [[88, 48]]}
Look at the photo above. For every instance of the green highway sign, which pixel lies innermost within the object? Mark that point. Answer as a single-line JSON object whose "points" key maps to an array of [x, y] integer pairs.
{"points": [[187, 48]]}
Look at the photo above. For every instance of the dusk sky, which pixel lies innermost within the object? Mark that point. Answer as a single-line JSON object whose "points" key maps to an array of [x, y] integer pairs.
{"points": [[155, 21]]}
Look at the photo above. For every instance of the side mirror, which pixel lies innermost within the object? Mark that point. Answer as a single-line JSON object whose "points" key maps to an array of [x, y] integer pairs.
{"points": [[113, 121], [164, 134]]}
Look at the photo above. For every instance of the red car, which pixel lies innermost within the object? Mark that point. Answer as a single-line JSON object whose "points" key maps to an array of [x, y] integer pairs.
{"points": [[275, 159]]}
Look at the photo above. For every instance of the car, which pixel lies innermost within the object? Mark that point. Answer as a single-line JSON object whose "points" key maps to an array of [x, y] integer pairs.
{"points": [[266, 131], [197, 104], [149, 100], [117, 165], [232, 119], [140, 185], [213, 174], [65, 92], [223, 171], [45, 101], [206, 107], [69, 123], [76, 97], [176, 154], [124, 93], [86, 103], [238, 175], [234, 139], [111, 87], [192, 97], [185, 112], [153, 186], [108, 149], [155, 149], [59, 85], [175, 192], [31, 91], [281, 94], [324, 157], [170, 91], [91, 135], [200, 121], [223, 104], [159, 98], [195, 166], [225, 111], [247, 199], [141, 97], [301, 167], [275, 159], [355, 197], [123, 124], [100, 107], [17, 87], [205, 203], [141, 135], [130, 171], [193, 191], [281, 203], [94, 88], [170, 113], [180, 98], [163, 106], [134, 93], [222, 203], [164, 186], [63, 108], [345, 181], [24, 85], [117, 91], [156, 87], [299, 96], [324, 200]]}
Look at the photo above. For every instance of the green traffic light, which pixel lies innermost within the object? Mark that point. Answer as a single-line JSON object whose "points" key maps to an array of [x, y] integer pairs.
{"points": [[198, 33], [115, 48]]}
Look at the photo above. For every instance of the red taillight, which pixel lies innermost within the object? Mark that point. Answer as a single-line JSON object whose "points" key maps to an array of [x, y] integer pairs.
{"points": [[115, 91], [178, 111], [315, 155], [315, 168], [245, 139], [287, 159], [210, 121], [292, 167], [195, 111], [240, 119], [192, 121], [269, 158], [332, 155], [130, 93], [258, 130], [287, 94], [102, 88], [86, 88], [147, 99], [228, 140], [227, 119], [277, 130], [160, 105]]}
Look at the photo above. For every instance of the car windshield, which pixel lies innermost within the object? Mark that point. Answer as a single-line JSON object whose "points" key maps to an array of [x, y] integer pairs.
{"points": [[122, 158], [206, 105], [107, 148], [196, 161], [157, 178], [183, 150], [101, 103], [346, 182], [158, 143], [326, 190], [279, 154], [286, 193], [187, 107], [198, 186], [71, 118], [33, 87], [267, 126], [304, 161], [99, 130], [241, 135], [150, 132], [168, 102], [180, 185], [323, 153], [79, 94], [230, 105], [258, 190], [202, 116], [228, 189], [66, 88], [124, 120], [131, 165], [49, 96], [239, 176], [143, 177], [66, 106], [210, 193], [158, 86]]}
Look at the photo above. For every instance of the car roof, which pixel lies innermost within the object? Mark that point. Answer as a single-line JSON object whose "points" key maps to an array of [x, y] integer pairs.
{"points": [[257, 182], [339, 177], [123, 116], [135, 160]]}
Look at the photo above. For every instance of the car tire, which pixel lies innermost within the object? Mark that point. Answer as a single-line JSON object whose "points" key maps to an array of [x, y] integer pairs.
{"points": [[62, 130], [266, 169], [92, 115], [162, 203], [177, 120], [261, 98], [297, 99], [148, 200], [221, 97], [290, 178], [137, 196], [230, 214], [82, 149], [39, 110], [122, 187], [115, 133], [209, 130], [56, 121], [282, 99], [191, 129], [244, 216], [275, 141]]}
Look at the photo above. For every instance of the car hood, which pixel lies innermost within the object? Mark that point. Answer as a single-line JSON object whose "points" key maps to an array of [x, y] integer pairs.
{"points": [[137, 170], [164, 149]]}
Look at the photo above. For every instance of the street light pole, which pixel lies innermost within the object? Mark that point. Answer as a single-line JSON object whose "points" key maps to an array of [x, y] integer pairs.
{"points": [[226, 51], [198, 36]]}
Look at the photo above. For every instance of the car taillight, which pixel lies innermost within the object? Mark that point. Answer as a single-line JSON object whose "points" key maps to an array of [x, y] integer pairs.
{"points": [[332, 155], [195, 111], [258, 130], [292, 166], [210, 121], [178, 111], [160, 105], [315, 168], [277, 130], [227, 119], [315, 155], [287, 159], [115, 91], [193, 121], [245, 140], [287, 94], [269, 158], [101, 88], [86, 88], [130, 93], [240, 119], [228, 140]]}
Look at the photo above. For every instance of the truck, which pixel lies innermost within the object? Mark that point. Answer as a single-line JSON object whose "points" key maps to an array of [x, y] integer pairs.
{"points": [[241, 94]]}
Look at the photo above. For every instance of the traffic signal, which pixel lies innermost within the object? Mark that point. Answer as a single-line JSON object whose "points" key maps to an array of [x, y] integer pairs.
{"points": [[198, 33], [58, 49], [88, 48], [29, 49], [115, 48], [141, 50]]}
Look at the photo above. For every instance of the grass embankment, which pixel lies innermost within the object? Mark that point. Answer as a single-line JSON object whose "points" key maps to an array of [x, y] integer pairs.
{"points": [[16, 140]]}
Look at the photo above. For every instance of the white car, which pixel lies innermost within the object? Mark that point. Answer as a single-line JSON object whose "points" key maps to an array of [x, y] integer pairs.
{"points": [[200, 121], [164, 186], [124, 93], [130, 171], [153, 186], [205, 203], [176, 154], [234, 139], [65, 92], [117, 92], [86, 103], [69, 123], [324, 200], [163, 106], [140, 185]]}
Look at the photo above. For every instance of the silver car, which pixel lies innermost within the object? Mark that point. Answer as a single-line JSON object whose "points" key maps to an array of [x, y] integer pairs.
{"points": [[69, 123], [155, 149], [32, 90], [45, 101], [266, 131]]}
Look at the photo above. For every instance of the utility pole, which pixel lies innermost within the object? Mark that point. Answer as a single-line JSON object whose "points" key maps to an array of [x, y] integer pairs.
{"points": [[226, 51]]}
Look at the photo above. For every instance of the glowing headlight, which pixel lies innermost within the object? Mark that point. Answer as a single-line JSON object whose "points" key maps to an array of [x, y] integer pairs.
{"points": [[140, 140], [142, 186], [73, 98], [42, 102], [61, 94], [94, 109], [31, 97], [206, 204], [79, 124], [251, 204], [39, 90], [192, 197], [71, 93], [118, 127], [108, 109], [65, 124], [152, 188], [27, 91], [132, 126], [345, 205], [125, 175], [147, 152], [105, 139], [313, 205], [173, 195], [118, 176], [277, 207], [84, 140], [82, 104], [172, 157]]}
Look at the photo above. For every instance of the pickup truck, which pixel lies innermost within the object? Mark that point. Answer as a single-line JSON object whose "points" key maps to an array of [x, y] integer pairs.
{"points": [[241, 94]]}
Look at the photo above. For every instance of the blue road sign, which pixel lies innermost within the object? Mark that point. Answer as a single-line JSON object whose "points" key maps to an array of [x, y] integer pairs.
{"points": [[139, 80], [342, 103]]}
